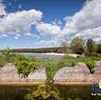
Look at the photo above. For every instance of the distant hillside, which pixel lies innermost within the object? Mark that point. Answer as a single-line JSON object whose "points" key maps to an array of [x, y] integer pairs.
{"points": [[40, 50], [50, 49]]}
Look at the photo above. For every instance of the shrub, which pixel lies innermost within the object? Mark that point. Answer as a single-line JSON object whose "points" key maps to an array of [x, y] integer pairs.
{"points": [[91, 64], [90, 47], [26, 66]]}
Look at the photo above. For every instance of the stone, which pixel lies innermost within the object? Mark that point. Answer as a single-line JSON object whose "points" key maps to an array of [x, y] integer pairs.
{"points": [[76, 73], [39, 74], [9, 73], [98, 68]]}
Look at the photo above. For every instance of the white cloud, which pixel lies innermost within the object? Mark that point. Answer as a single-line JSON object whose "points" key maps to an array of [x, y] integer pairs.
{"points": [[47, 28], [91, 33], [4, 35], [45, 43], [19, 22], [57, 22], [86, 22], [16, 37], [28, 34]]}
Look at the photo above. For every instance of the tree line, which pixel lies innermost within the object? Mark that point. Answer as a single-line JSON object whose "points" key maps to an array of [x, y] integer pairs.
{"points": [[87, 47]]}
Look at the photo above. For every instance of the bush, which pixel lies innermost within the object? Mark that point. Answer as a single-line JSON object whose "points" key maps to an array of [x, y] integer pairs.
{"points": [[90, 47], [91, 63], [25, 66]]}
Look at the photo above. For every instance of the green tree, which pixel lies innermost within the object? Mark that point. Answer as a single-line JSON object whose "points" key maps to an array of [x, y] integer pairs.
{"points": [[77, 45], [90, 47]]}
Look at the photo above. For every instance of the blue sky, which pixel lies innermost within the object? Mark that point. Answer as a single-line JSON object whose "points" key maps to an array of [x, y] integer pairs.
{"points": [[44, 23], [51, 9]]}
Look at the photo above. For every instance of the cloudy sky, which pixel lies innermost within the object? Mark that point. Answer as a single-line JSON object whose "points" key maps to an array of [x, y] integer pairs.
{"points": [[45, 23]]}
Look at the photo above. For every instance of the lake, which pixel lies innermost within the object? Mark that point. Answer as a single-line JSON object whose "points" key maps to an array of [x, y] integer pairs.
{"points": [[67, 92], [45, 55]]}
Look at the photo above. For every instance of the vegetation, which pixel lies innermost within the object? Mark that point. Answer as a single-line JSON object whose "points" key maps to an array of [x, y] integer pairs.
{"points": [[98, 48], [77, 45], [90, 47], [2, 61], [26, 65], [48, 91], [66, 92], [44, 92], [23, 64], [37, 50]]}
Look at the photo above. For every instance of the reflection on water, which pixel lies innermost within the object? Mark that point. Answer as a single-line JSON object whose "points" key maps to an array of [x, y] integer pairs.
{"points": [[67, 92], [44, 55]]}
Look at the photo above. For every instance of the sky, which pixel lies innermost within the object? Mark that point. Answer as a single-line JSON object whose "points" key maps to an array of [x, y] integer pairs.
{"points": [[48, 23]]}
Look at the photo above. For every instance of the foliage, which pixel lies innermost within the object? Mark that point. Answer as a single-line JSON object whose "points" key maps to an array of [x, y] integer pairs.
{"points": [[91, 64], [25, 66], [77, 45], [90, 47], [44, 92], [51, 67], [68, 61], [98, 48], [54, 65], [2, 61], [7, 55]]}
